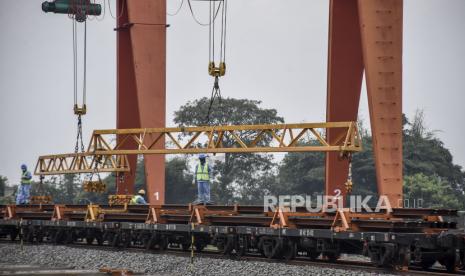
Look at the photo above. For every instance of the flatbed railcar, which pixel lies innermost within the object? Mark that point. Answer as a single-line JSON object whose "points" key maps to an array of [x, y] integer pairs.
{"points": [[405, 237]]}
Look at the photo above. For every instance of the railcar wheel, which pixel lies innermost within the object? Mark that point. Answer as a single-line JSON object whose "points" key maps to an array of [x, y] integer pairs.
{"points": [[58, 236], [451, 263], [241, 246], [70, 237], [115, 242], [163, 243], [90, 240], [199, 245], [185, 246], [99, 238], [40, 236], [151, 241], [427, 262], [289, 249], [90, 236], [28, 235], [229, 245], [272, 247], [126, 239], [332, 256], [313, 254], [14, 234]]}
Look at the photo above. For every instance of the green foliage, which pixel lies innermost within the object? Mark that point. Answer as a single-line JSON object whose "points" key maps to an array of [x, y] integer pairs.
{"points": [[363, 169], [433, 191], [3, 183], [4, 199], [229, 112], [241, 178], [301, 173], [245, 178], [179, 188], [425, 154]]}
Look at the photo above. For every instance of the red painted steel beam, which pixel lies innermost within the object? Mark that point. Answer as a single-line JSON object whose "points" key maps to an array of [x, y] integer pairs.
{"points": [[142, 81], [127, 110], [381, 24], [367, 34], [345, 73]]}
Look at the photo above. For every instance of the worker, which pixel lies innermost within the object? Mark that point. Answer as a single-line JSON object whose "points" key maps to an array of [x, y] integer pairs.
{"points": [[139, 198], [203, 174], [24, 188]]}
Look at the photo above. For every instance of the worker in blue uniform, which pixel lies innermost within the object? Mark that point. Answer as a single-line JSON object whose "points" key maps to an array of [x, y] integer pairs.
{"points": [[24, 189], [202, 176], [139, 198]]}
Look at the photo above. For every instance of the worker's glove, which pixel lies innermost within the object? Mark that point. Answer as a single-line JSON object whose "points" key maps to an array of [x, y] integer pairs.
{"points": [[193, 181]]}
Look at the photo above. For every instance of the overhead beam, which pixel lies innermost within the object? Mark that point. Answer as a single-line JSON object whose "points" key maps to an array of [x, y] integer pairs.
{"points": [[75, 163], [305, 137]]}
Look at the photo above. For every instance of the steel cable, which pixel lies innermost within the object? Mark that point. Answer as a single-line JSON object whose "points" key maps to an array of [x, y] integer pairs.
{"points": [[177, 11], [195, 18], [121, 11]]}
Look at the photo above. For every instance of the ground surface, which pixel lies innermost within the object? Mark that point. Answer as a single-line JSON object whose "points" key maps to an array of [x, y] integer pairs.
{"points": [[156, 264]]}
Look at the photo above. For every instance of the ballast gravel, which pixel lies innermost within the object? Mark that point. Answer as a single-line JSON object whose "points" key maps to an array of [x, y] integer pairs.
{"points": [[155, 264]]}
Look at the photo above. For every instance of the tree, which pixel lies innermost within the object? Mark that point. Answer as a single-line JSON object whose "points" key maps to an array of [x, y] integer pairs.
{"points": [[240, 177], [301, 173], [432, 191], [68, 189], [304, 173], [425, 153], [3, 184], [179, 188]]}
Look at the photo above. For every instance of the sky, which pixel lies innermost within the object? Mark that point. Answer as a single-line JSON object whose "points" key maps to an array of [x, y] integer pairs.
{"points": [[276, 53]]}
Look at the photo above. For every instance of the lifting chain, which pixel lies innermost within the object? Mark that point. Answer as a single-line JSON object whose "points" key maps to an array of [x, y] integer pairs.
{"points": [[216, 94], [79, 141], [41, 186], [214, 70], [349, 184], [96, 186]]}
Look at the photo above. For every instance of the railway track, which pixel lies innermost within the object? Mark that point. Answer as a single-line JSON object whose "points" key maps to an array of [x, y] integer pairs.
{"points": [[397, 239], [342, 264]]}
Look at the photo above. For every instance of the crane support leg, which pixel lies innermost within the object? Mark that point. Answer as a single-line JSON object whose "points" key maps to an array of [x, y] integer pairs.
{"points": [[345, 73], [367, 34], [381, 29], [141, 85]]}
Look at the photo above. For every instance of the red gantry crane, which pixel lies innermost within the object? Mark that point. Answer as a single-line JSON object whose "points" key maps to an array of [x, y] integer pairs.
{"points": [[365, 36]]}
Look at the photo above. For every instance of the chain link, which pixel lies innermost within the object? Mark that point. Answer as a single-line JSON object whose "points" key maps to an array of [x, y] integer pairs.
{"points": [[216, 94], [79, 140]]}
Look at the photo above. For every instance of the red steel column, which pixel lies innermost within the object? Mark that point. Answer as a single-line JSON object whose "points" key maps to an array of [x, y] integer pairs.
{"points": [[381, 29], [127, 111], [345, 72], [147, 34]]}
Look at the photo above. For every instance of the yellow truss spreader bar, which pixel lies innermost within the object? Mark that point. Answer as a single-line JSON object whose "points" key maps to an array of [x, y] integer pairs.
{"points": [[304, 137], [80, 163]]}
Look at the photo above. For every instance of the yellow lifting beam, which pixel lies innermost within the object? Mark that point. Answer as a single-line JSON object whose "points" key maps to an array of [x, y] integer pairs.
{"points": [[107, 154], [80, 163], [304, 137]]}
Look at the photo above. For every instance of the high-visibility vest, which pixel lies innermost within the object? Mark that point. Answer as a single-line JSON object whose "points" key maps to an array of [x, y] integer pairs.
{"points": [[24, 178], [134, 199], [202, 172]]}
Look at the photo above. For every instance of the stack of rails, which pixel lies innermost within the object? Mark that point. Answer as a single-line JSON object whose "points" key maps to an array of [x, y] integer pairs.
{"points": [[396, 238]]}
